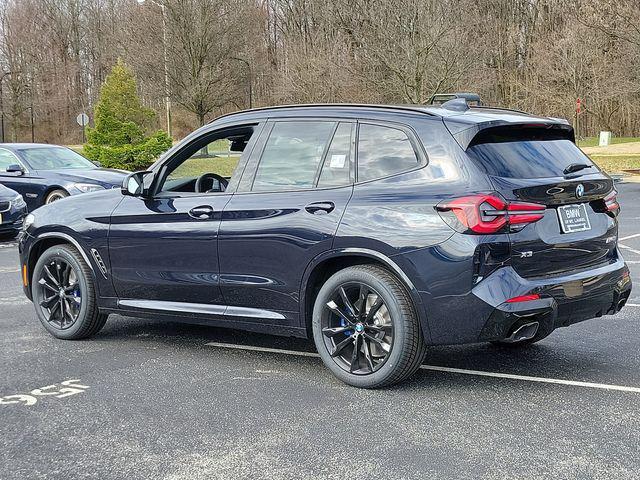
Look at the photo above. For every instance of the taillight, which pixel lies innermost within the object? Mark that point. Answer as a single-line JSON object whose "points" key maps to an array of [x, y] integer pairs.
{"points": [[487, 213], [524, 298], [608, 204], [611, 203]]}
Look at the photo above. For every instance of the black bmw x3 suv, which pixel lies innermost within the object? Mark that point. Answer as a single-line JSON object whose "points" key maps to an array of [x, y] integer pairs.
{"points": [[376, 230]]}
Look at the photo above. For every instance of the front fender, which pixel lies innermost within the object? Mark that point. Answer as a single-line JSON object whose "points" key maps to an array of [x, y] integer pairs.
{"points": [[31, 247]]}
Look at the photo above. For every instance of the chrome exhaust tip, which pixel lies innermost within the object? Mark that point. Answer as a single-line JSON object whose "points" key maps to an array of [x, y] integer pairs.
{"points": [[523, 332]]}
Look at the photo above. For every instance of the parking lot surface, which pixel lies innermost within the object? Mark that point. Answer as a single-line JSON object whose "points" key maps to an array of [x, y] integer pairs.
{"points": [[171, 401]]}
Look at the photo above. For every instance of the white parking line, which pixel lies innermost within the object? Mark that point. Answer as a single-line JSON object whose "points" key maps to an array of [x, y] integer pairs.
{"points": [[557, 381], [629, 236], [632, 304], [9, 270], [435, 368], [629, 248]]}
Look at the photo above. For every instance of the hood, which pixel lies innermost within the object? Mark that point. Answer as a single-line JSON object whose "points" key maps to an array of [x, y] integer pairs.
{"points": [[107, 177], [94, 206], [6, 193]]}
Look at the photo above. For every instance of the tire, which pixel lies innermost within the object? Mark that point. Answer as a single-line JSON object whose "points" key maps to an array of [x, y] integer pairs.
{"points": [[380, 368], [55, 195], [77, 319]]}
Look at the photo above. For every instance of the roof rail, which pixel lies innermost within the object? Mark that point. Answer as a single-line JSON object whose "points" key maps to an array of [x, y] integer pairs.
{"points": [[406, 108]]}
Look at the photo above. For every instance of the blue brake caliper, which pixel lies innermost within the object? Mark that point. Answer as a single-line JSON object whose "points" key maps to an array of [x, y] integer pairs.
{"points": [[343, 324]]}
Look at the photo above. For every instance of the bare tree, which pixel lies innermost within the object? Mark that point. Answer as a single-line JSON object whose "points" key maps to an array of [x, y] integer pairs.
{"points": [[535, 55]]}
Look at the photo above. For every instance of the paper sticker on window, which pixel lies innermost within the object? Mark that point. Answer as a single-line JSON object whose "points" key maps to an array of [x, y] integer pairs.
{"points": [[337, 161]]}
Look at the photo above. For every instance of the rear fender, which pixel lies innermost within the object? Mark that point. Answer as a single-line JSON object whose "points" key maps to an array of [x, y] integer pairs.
{"points": [[367, 256]]}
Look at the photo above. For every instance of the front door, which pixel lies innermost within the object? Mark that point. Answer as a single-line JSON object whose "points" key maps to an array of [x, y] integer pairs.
{"points": [[163, 249], [22, 182], [286, 212]]}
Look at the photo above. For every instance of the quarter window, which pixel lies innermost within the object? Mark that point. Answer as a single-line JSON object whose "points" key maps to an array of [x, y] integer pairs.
{"points": [[292, 155], [337, 163], [383, 151]]}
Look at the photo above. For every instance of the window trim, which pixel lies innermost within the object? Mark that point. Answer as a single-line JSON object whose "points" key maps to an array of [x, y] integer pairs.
{"points": [[418, 148], [18, 162], [258, 154]]}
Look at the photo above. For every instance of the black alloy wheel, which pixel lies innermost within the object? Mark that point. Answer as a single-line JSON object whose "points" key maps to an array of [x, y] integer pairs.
{"points": [[65, 295], [365, 327], [359, 331], [60, 292]]}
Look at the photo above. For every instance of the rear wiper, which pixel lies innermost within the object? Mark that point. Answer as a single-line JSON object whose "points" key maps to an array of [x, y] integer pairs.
{"points": [[576, 167]]}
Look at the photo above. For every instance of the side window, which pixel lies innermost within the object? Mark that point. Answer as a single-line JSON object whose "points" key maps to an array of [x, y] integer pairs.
{"points": [[292, 155], [383, 151], [208, 165], [215, 157], [6, 159], [336, 168]]}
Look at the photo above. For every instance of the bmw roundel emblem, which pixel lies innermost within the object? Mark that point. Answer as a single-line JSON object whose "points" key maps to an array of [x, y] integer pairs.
{"points": [[579, 191]]}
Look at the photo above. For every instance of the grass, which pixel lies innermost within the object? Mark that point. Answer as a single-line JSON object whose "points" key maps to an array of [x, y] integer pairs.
{"points": [[616, 163], [614, 159], [194, 167], [593, 141], [217, 161]]}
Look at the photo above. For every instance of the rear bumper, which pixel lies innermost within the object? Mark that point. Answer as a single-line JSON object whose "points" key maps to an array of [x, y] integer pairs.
{"points": [[564, 300]]}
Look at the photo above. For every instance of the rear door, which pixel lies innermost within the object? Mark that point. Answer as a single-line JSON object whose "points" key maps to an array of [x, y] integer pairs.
{"points": [[544, 166], [286, 212]]}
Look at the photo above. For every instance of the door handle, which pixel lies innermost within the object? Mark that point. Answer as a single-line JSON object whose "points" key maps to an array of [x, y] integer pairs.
{"points": [[320, 208], [203, 212]]}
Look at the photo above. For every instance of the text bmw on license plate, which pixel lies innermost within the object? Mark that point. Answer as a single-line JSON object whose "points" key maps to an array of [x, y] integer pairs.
{"points": [[574, 218]]}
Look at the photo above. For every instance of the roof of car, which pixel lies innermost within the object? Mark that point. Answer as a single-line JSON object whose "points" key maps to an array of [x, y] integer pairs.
{"points": [[473, 115]]}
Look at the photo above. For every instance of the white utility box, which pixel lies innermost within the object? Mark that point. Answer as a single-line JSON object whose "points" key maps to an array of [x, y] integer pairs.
{"points": [[605, 139]]}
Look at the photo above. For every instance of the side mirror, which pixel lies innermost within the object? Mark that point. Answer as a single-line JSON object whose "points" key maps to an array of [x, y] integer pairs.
{"points": [[133, 185], [97, 163], [15, 169]]}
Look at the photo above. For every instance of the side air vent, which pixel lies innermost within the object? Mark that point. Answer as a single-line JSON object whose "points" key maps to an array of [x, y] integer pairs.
{"points": [[99, 262]]}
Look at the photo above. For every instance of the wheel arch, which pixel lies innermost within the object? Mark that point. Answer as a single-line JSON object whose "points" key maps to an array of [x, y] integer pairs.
{"points": [[328, 263], [52, 188], [47, 240]]}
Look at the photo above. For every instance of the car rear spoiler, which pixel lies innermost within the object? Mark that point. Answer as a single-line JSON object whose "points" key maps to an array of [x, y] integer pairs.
{"points": [[468, 134]]}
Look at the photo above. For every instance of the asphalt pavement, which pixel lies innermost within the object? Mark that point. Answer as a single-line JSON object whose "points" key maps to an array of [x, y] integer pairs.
{"points": [[151, 400]]}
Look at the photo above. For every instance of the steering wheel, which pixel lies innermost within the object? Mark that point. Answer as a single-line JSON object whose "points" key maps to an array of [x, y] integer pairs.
{"points": [[201, 183]]}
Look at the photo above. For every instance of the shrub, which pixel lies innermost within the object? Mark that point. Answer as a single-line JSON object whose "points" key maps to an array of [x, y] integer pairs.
{"points": [[119, 138]]}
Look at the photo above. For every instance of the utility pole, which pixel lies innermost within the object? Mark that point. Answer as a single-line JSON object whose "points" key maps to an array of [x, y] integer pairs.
{"points": [[33, 130], [249, 78], [1, 110], [4, 74], [165, 45]]}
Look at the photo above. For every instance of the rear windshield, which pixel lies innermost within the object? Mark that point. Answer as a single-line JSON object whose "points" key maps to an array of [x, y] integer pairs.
{"points": [[516, 156]]}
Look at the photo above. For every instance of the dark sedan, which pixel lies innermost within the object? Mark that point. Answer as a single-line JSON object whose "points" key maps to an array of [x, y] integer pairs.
{"points": [[44, 173], [12, 211]]}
